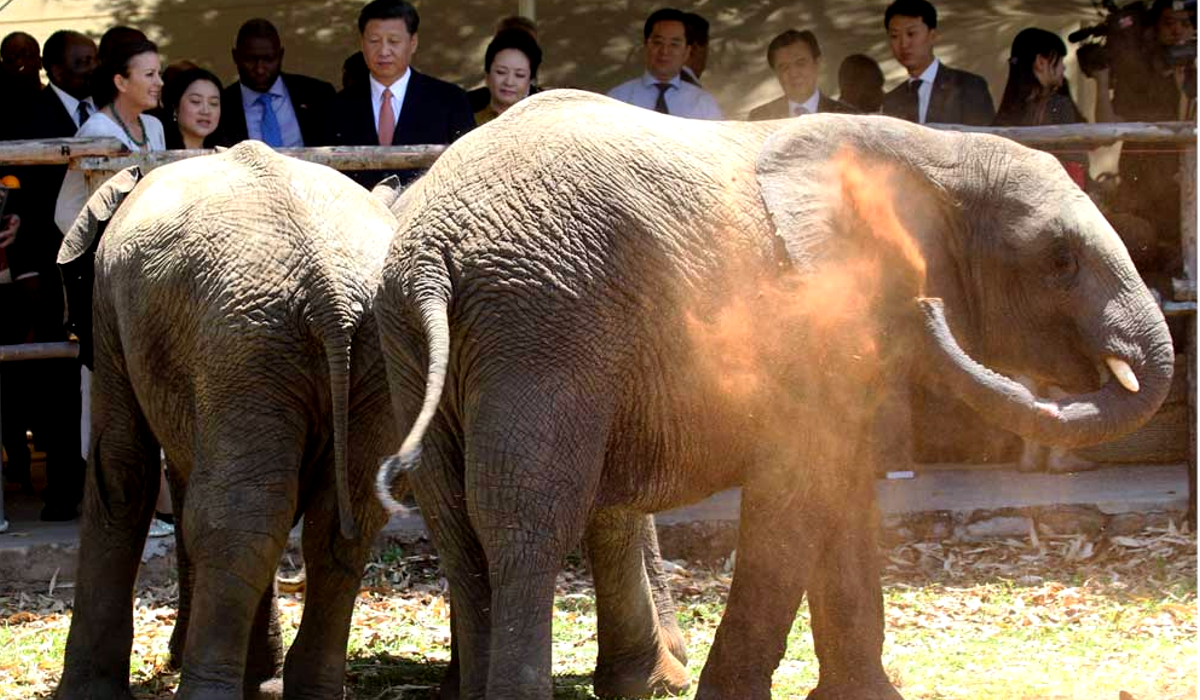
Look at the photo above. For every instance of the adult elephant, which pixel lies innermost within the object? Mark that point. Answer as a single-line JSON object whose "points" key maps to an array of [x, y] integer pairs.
{"points": [[603, 312], [233, 326]]}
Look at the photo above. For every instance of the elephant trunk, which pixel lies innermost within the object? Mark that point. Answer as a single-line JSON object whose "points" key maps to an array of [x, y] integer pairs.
{"points": [[1122, 405]]}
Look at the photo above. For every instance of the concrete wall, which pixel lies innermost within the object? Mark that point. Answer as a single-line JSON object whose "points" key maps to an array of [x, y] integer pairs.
{"points": [[591, 44]]}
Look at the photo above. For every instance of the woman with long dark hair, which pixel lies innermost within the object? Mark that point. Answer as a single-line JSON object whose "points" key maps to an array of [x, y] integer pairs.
{"points": [[192, 99], [1036, 92]]}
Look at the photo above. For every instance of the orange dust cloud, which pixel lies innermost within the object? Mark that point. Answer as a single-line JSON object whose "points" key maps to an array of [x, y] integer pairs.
{"points": [[863, 188], [815, 325]]}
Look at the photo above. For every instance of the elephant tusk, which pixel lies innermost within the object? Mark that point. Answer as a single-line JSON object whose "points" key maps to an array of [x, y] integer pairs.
{"points": [[1125, 375]]}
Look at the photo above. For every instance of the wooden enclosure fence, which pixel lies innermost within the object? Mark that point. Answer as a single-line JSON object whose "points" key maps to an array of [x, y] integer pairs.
{"points": [[100, 158]]}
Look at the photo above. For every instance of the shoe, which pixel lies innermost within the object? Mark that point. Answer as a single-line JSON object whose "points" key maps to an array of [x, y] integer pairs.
{"points": [[59, 512], [160, 529]]}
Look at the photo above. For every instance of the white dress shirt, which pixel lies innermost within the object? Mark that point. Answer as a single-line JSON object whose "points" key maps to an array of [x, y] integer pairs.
{"points": [[809, 105], [399, 89], [683, 99], [926, 89], [72, 104], [285, 114]]}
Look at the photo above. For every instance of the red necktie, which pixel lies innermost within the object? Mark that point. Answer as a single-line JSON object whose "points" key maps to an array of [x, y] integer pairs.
{"points": [[387, 119]]}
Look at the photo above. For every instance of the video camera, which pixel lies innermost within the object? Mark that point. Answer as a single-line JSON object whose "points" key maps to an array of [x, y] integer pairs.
{"points": [[1118, 41]]}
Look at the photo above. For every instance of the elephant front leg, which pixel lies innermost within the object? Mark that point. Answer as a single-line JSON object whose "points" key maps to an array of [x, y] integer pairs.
{"points": [[635, 655], [122, 481], [846, 602], [664, 602], [774, 555]]}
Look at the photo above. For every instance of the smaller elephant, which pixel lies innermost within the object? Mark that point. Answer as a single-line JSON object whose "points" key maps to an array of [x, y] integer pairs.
{"points": [[231, 325]]}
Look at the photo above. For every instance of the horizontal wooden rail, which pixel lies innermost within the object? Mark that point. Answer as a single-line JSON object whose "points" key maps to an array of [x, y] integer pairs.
{"points": [[1090, 135], [56, 151], [336, 157], [110, 154]]}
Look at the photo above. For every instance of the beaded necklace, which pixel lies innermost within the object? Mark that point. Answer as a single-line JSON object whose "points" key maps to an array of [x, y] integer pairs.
{"points": [[145, 137]]}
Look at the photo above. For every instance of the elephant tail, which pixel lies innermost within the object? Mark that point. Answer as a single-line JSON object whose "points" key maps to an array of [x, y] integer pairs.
{"points": [[435, 322], [337, 354]]}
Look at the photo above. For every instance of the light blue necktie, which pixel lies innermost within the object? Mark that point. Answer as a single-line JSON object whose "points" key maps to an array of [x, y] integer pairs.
{"points": [[271, 135]]}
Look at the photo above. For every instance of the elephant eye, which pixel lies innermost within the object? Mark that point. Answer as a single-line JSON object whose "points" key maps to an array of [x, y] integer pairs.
{"points": [[1063, 263]]}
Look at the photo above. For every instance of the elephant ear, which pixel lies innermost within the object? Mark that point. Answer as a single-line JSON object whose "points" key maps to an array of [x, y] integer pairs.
{"points": [[76, 257], [791, 170], [84, 234], [834, 184], [387, 191]]}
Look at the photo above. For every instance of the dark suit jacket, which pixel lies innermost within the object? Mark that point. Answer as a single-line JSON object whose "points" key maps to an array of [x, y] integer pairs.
{"points": [[311, 99], [433, 111], [37, 242], [778, 108], [958, 97]]}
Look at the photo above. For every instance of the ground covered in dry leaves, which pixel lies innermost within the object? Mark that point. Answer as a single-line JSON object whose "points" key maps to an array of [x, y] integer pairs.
{"points": [[1057, 618]]}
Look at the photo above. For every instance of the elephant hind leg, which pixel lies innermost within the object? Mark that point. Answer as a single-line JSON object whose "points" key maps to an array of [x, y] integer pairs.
{"points": [[640, 643], [440, 492], [121, 486], [531, 479], [240, 504]]}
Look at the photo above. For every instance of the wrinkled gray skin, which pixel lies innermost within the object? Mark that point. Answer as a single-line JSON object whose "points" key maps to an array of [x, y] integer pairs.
{"points": [[535, 304], [221, 351], [223, 286]]}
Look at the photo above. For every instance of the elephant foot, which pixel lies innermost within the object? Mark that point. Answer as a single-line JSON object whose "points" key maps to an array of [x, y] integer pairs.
{"points": [[879, 690], [449, 689], [664, 675], [271, 689], [672, 637], [92, 691]]}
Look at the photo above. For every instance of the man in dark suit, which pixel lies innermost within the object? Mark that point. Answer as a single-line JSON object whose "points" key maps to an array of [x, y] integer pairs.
{"points": [[796, 59], [697, 60], [266, 104], [48, 390], [20, 79], [933, 93], [397, 105]]}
